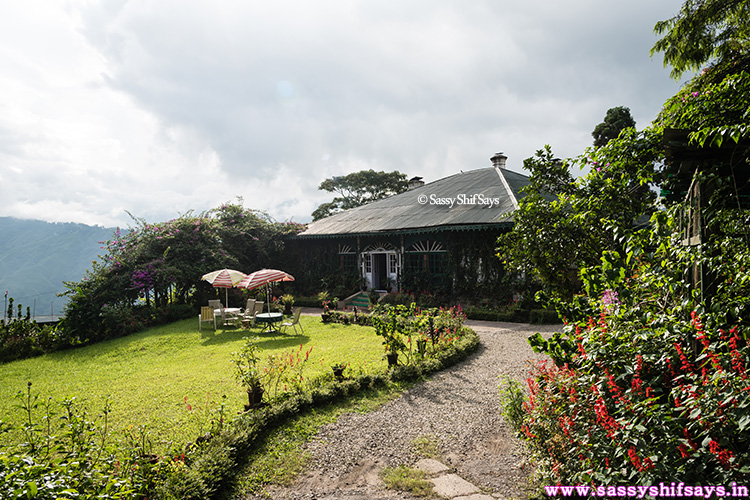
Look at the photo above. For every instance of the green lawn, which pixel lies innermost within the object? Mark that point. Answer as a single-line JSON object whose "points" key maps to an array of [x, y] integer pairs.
{"points": [[149, 374]]}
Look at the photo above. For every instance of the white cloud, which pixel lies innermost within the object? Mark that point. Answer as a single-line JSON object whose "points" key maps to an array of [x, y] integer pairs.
{"points": [[162, 107]]}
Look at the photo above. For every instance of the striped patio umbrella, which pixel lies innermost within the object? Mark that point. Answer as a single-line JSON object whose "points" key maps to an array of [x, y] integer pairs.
{"points": [[224, 278], [265, 277]]}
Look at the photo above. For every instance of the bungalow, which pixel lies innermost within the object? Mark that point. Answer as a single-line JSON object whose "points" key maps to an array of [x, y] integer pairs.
{"points": [[440, 236]]}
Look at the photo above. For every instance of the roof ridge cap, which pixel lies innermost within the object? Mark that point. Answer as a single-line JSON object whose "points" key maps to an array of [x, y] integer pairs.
{"points": [[507, 188]]}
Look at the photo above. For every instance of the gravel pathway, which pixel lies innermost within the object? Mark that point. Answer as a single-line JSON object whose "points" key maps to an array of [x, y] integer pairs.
{"points": [[457, 408]]}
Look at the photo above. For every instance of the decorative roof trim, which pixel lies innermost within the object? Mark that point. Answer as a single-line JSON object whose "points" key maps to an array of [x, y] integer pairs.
{"points": [[419, 230]]}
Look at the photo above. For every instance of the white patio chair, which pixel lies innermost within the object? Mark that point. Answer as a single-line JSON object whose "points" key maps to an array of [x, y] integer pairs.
{"points": [[228, 319], [249, 319], [294, 322], [250, 306]]}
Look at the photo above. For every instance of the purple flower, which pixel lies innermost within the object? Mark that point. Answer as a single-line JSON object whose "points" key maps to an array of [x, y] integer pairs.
{"points": [[611, 300]]}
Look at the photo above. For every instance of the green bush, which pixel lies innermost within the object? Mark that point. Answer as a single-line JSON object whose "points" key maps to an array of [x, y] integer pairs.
{"points": [[348, 318], [510, 315], [67, 454], [403, 299], [633, 403], [646, 383], [543, 317], [22, 338], [311, 301]]}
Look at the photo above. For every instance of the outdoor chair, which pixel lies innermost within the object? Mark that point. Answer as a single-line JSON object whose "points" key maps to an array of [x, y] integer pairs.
{"points": [[216, 304], [294, 322], [207, 314], [249, 319], [229, 319], [250, 306], [259, 307]]}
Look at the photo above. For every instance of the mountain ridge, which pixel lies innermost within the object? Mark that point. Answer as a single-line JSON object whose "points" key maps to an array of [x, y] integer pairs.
{"points": [[37, 256]]}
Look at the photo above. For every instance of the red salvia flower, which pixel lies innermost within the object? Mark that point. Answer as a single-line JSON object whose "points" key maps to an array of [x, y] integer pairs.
{"points": [[635, 459]]}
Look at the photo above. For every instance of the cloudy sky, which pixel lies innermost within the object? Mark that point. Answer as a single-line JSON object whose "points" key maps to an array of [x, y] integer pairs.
{"points": [[161, 107]]}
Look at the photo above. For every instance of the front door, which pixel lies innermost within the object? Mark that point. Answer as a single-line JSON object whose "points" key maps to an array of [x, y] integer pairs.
{"points": [[379, 271]]}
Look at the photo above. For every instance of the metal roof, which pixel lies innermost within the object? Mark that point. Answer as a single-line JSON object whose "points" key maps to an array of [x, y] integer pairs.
{"points": [[480, 199]]}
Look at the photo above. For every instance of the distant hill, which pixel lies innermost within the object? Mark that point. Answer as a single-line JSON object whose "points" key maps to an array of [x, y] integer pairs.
{"points": [[36, 257]]}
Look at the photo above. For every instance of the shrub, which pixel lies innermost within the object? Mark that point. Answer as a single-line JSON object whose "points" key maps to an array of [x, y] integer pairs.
{"points": [[307, 301], [646, 383], [22, 338], [632, 403], [402, 299], [543, 317], [67, 454]]}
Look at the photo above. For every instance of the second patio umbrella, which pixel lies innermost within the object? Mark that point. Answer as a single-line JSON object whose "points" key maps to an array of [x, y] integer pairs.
{"points": [[265, 277], [224, 278]]}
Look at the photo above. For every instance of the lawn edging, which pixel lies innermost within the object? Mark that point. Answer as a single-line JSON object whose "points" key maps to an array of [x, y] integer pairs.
{"points": [[208, 469]]}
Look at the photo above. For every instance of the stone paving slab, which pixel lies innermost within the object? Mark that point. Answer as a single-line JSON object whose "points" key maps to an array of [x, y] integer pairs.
{"points": [[476, 496], [453, 485], [431, 466]]}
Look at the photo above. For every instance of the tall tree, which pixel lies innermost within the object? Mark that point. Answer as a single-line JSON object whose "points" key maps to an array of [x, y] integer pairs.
{"points": [[616, 120], [593, 211], [703, 31], [359, 188]]}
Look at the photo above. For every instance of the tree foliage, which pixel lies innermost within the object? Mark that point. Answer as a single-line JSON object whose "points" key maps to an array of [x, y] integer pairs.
{"points": [[359, 188], [703, 31], [592, 210], [152, 266], [715, 108], [615, 121], [650, 373]]}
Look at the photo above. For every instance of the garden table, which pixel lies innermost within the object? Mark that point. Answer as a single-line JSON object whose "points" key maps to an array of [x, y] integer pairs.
{"points": [[229, 311], [269, 319]]}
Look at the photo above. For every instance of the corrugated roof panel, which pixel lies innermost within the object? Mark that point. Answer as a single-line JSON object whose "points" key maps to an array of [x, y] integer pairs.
{"points": [[422, 207]]}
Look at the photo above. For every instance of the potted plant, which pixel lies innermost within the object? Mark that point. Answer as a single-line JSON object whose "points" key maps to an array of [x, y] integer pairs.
{"points": [[248, 373], [288, 301], [389, 327], [325, 303], [323, 297]]}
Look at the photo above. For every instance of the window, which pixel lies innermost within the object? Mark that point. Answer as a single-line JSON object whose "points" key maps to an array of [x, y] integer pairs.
{"points": [[413, 262], [436, 263], [392, 263], [368, 263]]}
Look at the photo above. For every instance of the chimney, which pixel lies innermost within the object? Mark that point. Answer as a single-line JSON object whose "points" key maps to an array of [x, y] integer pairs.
{"points": [[415, 182], [498, 161]]}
